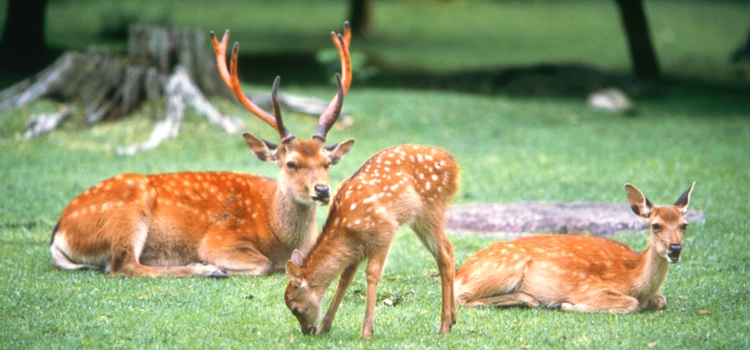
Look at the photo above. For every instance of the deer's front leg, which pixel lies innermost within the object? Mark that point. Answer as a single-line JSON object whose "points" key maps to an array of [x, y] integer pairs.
{"points": [[344, 281], [605, 300], [231, 253], [374, 272]]}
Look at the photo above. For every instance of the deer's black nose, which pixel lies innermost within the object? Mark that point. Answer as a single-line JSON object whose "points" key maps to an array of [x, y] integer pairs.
{"points": [[322, 191], [675, 249]]}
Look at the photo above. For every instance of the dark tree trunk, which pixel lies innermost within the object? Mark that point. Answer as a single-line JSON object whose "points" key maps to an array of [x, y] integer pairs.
{"points": [[360, 16], [642, 54], [22, 48]]}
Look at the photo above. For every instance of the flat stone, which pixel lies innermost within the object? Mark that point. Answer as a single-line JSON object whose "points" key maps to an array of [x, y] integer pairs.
{"points": [[517, 219]]}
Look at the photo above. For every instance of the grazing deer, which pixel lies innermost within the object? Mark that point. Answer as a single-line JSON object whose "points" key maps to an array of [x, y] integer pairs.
{"points": [[579, 273], [408, 184], [209, 223]]}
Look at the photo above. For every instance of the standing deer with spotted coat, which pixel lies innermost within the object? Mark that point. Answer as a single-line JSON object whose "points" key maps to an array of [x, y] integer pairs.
{"points": [[408, 184], [579, 273], [209, 223]]}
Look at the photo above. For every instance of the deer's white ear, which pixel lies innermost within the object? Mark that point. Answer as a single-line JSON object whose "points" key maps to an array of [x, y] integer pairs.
{"points": [[684, 200], [297, 258], [294, 273], [339, 150], [640, 205], [264, 150]]}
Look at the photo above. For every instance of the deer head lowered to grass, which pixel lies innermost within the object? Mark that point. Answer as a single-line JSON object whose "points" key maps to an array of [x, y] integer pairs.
{"points": [[209, 223], [579, 273], [408, 184]]}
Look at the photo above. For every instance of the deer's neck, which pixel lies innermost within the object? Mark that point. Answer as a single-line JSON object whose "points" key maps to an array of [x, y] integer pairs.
{"points": [[327, 260], [292, 221], [650, 273]]}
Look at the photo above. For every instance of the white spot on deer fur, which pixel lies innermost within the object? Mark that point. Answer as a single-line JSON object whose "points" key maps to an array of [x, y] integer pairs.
{"points": [[380, 210], [394, 187], [427, 185], [415, 147], [370, 199], [419, 158], [354, 205], [106, 205], [120, 203], [118, 177], [129, 182], [255, 215], [74, 214], [357, 222], [411, 157], [434, 177], [387, 169], [421, 176]]}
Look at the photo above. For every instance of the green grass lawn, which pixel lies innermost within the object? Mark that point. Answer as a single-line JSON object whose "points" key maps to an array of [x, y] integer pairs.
{"points": [[510, 149]]}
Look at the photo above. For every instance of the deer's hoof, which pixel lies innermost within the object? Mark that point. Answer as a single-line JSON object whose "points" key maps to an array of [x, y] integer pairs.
{"points": [[218, 274]]}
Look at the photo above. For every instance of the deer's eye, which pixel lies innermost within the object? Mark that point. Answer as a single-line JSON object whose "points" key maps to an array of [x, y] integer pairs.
{"points": [[655, 227], [326, 165], [291, 165], [684, 227], [295, 311]]}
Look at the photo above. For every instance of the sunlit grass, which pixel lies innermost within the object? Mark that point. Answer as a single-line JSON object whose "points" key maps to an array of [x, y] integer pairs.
{"points": [[509, 150]]}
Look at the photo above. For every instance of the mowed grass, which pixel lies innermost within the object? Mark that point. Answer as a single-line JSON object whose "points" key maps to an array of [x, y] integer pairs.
{"points": [[509, 149]]}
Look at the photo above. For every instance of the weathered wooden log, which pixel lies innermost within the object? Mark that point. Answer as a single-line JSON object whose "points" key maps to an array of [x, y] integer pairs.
{"points": [[176, 63]]}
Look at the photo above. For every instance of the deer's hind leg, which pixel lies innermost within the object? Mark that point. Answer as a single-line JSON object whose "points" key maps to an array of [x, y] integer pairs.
{"points": [[430, 231], [129, 245]]}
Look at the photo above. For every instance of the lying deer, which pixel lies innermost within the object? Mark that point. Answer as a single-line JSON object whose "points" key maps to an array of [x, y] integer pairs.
{"points": [[579, 273], [407, 184], [209, 223]]}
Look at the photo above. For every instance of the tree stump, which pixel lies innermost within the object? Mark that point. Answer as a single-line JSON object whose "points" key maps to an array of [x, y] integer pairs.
{"points": [[171, 63]]}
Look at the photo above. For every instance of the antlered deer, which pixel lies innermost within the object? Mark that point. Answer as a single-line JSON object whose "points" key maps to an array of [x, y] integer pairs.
{"points": [[209, 223], [579, 273], [405, 184]]}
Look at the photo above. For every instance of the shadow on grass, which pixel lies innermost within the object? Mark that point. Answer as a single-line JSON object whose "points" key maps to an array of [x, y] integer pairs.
{"points": [[558, 80]]}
